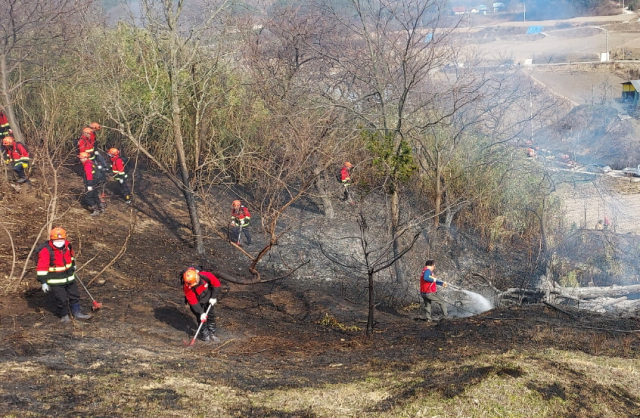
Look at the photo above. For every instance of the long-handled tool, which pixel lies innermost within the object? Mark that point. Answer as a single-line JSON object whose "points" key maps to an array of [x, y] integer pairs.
{"points": [[96, 305], [239, 234], [199, 328]]}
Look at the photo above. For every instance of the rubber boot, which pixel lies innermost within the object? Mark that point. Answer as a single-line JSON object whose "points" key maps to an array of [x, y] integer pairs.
{"points": [[127, 199], [212, 333], [96, 211], [102, 207], [75, 309], [204, 335], [65, 319]]}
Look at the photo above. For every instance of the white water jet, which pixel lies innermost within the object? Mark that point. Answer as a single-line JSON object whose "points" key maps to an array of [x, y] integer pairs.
{"points": [[473, 304]]}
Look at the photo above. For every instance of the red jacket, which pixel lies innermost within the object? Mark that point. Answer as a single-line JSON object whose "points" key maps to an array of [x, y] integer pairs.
{"points": [[117, 166], [88, 169], [56, 265], [17, 152], [344, 174], [240, 216], [428, 283], [201, 293], [87, 142]]}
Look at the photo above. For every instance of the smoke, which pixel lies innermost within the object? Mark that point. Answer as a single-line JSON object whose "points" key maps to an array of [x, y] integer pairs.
{"points": [[469, 304]]}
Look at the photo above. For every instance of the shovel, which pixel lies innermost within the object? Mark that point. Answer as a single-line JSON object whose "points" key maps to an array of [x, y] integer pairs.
{"points": [[96, 305], [193, 340]]}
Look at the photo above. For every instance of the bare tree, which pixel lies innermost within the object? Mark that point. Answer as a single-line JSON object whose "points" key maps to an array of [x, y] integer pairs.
{"points": [[31, 31]]}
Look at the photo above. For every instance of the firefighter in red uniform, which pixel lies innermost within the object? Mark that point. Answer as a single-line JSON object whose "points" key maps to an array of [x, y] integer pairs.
{"points": [[4, 125], [428, 290], [119, 174], [87, 143], [240, 219], [201, 293], [16, 155], [345, 178], [56, 268], [91, 182]]}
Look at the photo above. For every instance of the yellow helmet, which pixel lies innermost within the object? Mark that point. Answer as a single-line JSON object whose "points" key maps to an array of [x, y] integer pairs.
{"points": [[190, 277]]}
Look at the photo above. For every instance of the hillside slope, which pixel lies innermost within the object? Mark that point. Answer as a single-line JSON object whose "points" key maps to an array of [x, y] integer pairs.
{"points": [[289, 348]]}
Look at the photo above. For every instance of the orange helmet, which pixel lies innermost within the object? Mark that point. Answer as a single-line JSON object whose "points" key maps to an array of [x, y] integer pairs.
{"points": [[7, 141], [57, 233], [236, 203], [190, 277], [114, 152], [348, 164], [83, 155], [95, 125], [87, 130]]}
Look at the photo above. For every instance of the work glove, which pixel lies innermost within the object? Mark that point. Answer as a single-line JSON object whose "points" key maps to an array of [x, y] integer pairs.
{"points": [[121, 181], [213, 301], [89, 188], [45, 287], [445, 284], [203, 317]]}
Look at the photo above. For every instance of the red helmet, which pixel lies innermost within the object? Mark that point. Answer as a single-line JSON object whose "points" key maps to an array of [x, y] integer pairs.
{"points": [[7, 141], [83, 155], [57, 233], [114, 152], [191, 277], [95, 125]]}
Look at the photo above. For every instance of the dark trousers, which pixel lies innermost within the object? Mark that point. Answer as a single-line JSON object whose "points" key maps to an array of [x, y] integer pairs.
{"points": [[91, 198], [429, 298], [210, 326], [235, 234], [19, 170], [124, 188], [65, 294]]}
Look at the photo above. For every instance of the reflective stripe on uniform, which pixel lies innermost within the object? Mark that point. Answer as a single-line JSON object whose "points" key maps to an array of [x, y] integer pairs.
{"points": [[60, 281], [57, 269]]}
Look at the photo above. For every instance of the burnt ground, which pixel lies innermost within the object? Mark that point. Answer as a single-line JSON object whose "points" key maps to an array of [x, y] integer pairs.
{"points": [[129, 359]]}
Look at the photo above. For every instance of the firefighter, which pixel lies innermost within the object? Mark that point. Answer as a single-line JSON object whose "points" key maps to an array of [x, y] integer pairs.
{"points": [[345, 177], [201, 293], [92, 180], [428, 290], [16, 155], [87, 143], [56, 273], [5, 130], [119, 174], [240, 219]]}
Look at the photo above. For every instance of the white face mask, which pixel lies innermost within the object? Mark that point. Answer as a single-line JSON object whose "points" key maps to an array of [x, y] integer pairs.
{"points": [[59, 243]]}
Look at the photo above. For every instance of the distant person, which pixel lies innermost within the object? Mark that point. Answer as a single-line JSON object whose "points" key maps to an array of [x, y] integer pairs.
{"points": [[56, 273], [345, 178], [599, 225], [240, 219], [119, 174], [5, 130], [606, 223], [92, 180], [16, 155], [428, 290], [201, 290]]}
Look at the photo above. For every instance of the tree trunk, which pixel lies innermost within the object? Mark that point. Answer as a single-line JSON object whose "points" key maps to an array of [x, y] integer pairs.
{"points": [[321, 187], [8, 107], [395, 222], [438, 200], [187, 191], [372, 304]]}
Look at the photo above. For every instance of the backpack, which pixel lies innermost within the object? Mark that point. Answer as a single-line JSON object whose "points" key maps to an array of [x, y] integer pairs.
{"points": [[99, 176], [339, 175], [49, 249]]}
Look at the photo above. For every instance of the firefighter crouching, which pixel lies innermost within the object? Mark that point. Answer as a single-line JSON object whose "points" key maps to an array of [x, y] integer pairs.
{"points": [[16, 155], [201, 290], [56, 273]]}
